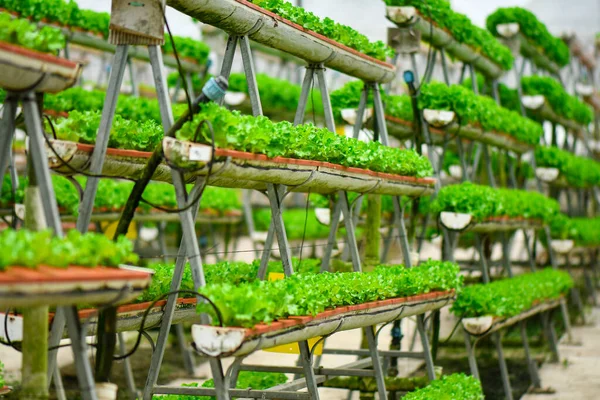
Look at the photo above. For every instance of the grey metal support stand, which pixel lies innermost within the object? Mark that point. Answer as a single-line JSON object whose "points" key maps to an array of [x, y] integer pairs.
{"points": [[192, 249], [497, 338], [79, 346], [99, 154]]}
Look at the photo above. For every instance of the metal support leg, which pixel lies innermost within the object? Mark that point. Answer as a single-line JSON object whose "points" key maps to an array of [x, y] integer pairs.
{"points": [[250, 76], [306, 89], [503, 368], [380, 115], [191, 248], [589, 286], [131, 389], [80, 356], [399, 222], [482, 259], [360, 114], [506, 247], [276, 193], [135, 90], [426, 350], [266, 254], [40, 162], [333, 227], [379, 376], [99, 153], [550, 333], [186, 354], [350, 233], [326, 100], [7, 131], [531, 364], [471, 355], [59, 388], [309, 373]]}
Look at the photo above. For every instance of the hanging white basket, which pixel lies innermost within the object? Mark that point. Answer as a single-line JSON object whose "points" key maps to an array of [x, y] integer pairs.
{"points": [[438, 118], [547, 174], [24, 69], [455, 171], [235, 98], [533, 102], [478, 325], [401, 15], [455, 221], [323, 215], [583, 89], [350, 115], [509, 30], [562, 246]]}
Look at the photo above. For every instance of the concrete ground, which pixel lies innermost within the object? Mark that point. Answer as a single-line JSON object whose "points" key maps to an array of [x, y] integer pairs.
{"points": [[577, 375]]}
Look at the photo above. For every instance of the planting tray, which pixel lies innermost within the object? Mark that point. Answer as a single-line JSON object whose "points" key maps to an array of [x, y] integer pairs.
{"points": [[236, 169], [27, 287], [530, 50], [243, 18], [463, 222], [547, 113], [439, 38], [214, 341], [404, 129], [24, 69], [498, 323]]}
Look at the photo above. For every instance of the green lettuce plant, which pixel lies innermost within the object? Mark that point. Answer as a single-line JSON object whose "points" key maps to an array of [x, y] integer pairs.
{"points": [[327, 27], [578, 171], [31, 249], [23, 33], [510, 297], [461, 28], [235, 131], [484, 202], [450, 387], [534, 30], [309, 294]]}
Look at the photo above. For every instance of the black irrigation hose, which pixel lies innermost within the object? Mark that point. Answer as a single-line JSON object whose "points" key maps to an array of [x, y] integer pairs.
{"points": [[141, 331]]}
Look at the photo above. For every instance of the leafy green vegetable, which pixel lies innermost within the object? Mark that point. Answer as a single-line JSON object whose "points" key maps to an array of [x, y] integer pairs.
{"points": [[461, 28], [579, 171], [259, 135], [246, 380], [584, 231], [479, 110], [234, 273], [143, 135], [327, 27], [451, 387], [562, 103], [68, 14], [31, 249], [510, 297], [309, 294], [21, 32], [534, 30], [483, 202]]}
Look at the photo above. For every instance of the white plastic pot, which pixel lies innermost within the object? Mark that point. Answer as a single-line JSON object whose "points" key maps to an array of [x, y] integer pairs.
{"points": [[401, 15], [235, 98], [562, 246], [350, 114], [455, 221], [324, 216], [533, 102], [106, 391], [509, 30], [438, 118], [547, 174], [479, 325]]}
